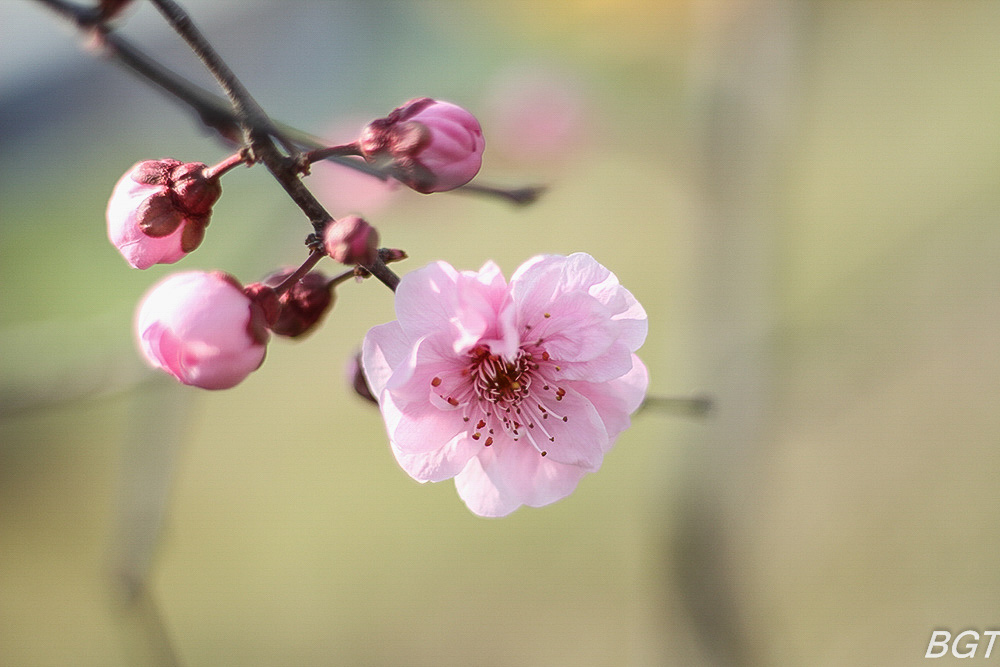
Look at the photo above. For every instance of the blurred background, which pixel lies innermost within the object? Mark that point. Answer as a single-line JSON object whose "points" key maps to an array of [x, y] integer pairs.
{"points": [[805, 197]]}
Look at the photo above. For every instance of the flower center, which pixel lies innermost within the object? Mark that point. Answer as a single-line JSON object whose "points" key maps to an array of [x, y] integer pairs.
{"points": [[496, 395], [499, 381]]}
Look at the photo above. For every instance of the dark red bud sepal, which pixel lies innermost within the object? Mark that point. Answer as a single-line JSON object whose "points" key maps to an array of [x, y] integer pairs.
{"points": [[264, 309], [157, 216], [303, 305], [194, 192], [194, 232], [155, 172]]}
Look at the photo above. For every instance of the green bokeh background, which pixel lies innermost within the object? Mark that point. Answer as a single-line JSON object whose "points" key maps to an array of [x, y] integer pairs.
{"points": [[803, 195]]}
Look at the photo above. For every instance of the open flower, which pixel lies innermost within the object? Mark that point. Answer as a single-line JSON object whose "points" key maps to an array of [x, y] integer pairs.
{"points": [[202, 329], [516, 390]]}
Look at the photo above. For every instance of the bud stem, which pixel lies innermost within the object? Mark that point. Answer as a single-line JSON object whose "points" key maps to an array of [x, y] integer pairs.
{"points": [[517, 196], [306, 267], [694, 406], [333, 151], [234, 160]]}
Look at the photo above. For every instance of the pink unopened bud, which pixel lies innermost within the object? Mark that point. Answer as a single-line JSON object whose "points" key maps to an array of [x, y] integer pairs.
{"points": [[202, 329], [430, 146], [351, 240], [303, 305], [158, 211]]}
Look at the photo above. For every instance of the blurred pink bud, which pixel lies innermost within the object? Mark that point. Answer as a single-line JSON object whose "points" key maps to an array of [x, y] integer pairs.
{"points": [[351, 240], [303, 305], [202, 329], [158, 211], [430, 146]]}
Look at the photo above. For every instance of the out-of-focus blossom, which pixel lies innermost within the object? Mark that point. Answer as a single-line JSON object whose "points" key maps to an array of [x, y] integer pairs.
{"points": [[202, 329], [429, 145], [159, 209], [516, 390], [536, 115]]}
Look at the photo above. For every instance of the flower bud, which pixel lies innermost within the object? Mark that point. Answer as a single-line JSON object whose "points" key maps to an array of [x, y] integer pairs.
{"points": [[303, 305], [202, 329], [356, 378], [430, 146], [158, 211], [351, 240]]}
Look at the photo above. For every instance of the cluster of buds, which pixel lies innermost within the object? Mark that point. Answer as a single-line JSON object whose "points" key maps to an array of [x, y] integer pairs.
{"points": [[205, 328], [515, 389]]}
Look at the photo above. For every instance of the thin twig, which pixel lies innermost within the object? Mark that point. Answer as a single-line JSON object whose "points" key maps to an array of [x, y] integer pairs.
{"points": [[249, 112], [216, 113]]}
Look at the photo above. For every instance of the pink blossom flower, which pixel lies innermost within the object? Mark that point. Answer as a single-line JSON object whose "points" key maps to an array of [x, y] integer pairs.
{"points": [[430, 146], [159, 209], [516, 390], [202, 329]]}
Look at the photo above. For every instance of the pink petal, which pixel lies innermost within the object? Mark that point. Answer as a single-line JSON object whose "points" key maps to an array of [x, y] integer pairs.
{"points": [[541, 281], [415, 423], [439, 464], [425, 300], [617, 399], [496, 483], [615, 362], [481, 494], [575, 327], [580, 440], [385, 347]]}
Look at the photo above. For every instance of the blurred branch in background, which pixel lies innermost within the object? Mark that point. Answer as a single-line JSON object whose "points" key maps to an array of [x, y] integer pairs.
{"points": [[159, 417], [743, 93]]}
